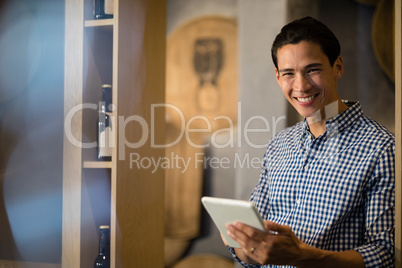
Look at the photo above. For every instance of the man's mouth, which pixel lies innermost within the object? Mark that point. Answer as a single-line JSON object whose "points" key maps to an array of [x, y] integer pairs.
{"points": [[307, 99]]}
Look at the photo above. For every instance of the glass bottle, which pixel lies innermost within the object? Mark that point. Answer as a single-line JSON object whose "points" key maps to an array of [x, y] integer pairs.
{"points": [[104, 126], [103, 9], [103, 258]]}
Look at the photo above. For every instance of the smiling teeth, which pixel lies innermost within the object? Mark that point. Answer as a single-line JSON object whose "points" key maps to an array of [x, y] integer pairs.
{"points": [[305, 99]]}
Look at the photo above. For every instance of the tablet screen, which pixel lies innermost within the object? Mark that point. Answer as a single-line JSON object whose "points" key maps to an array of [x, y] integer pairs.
{"points": [[224, 211]]}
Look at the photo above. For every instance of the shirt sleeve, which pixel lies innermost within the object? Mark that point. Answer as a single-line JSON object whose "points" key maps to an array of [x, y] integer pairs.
{"points": [[241, 262], [378, 250], [260, 195]]}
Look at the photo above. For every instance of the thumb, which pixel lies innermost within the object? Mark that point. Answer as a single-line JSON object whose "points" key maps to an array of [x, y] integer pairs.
{"points": [[274, 227], [224, 240]]}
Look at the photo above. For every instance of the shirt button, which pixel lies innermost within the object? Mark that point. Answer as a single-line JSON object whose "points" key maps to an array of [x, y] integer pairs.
{"points": [[306, 168], [298, 201]]}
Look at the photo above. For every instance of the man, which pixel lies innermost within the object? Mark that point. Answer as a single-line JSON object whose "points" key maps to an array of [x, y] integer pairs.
{"points": [[326, 189]]}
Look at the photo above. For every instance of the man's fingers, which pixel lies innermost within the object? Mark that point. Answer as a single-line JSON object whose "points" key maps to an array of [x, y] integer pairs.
{"points": [[276, 228], [248, 244], [224, 241], [250, 232]]}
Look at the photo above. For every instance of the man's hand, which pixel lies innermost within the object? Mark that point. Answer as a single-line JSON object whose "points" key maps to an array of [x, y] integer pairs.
{"points": [[278, 245]]}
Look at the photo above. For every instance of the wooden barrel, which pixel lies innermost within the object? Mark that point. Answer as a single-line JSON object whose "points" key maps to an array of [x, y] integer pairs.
{"points": [[203, 261], [201, 87], [174, 249], [383, 37]]}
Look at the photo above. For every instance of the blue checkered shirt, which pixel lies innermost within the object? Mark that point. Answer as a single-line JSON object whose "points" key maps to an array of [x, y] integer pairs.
{"points": [[336, 192]]}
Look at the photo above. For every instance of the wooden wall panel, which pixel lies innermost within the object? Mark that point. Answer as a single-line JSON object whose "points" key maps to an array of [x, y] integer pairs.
{"points": [[398, 131], [139, 199]]}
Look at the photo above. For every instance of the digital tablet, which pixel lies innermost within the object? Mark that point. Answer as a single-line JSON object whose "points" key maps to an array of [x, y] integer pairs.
{"points": [[224, 211]]}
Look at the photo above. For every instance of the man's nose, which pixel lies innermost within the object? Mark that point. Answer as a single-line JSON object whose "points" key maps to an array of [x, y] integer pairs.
{"points": [[301, 83]]}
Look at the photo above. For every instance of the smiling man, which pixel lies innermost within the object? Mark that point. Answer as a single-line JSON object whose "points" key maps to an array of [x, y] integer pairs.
{"points": [[327, 185]]}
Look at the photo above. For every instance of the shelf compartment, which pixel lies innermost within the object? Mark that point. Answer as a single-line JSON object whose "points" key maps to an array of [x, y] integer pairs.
{"points": [[95, 211], [97, 164], [97, 70], [99, 23]]}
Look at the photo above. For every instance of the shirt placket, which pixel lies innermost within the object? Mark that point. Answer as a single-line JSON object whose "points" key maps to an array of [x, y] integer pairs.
{"points": [[311, 147], [307, 144]]}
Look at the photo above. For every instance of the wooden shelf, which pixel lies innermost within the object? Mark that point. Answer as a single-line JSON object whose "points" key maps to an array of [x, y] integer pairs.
{"points": [[112, 192], [99, 23], [97, 164]]}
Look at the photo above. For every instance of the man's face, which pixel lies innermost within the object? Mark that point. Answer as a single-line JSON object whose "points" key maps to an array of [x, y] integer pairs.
{"points": [[306, 77]]}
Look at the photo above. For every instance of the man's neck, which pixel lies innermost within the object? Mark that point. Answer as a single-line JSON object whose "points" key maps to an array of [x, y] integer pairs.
{"points": [[316, 121]]}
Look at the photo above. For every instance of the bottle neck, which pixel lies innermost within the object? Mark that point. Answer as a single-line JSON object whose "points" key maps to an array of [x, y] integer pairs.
{"points": [[104, 243]]}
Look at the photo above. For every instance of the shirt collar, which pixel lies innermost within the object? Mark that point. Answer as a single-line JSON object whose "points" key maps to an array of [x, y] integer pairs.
{"points": [[341, 121]]}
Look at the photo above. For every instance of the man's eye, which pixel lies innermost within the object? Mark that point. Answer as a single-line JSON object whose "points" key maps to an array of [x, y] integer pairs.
{"points": [[313, 71], [287, 74]]}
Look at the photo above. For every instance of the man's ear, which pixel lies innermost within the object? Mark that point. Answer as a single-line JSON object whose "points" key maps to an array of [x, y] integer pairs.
{"points": [[338, 67], [277, 75]]}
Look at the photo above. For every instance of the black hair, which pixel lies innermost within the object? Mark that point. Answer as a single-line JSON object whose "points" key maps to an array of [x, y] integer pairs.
{"points": [[307, 29]]}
